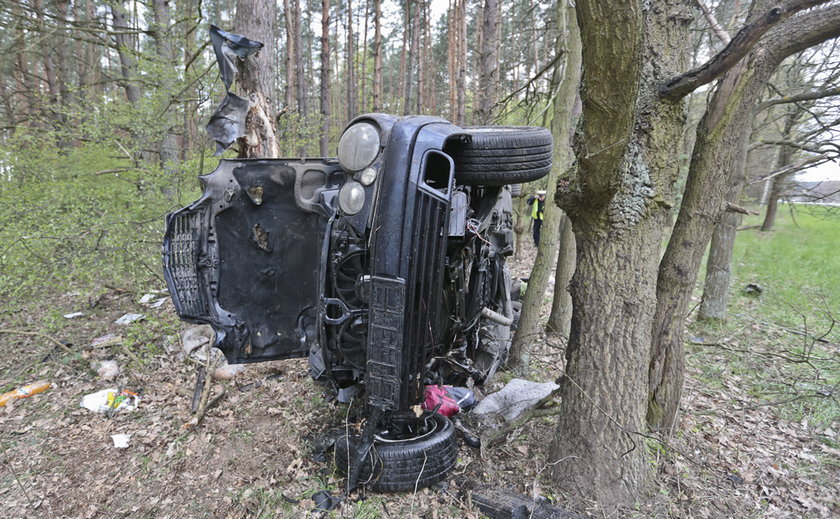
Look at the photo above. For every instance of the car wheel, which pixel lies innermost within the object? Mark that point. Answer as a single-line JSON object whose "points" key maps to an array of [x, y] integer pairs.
{"points": [[404, 464], [499, 155]]}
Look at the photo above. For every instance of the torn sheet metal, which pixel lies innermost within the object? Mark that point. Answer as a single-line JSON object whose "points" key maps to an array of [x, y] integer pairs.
{"points": [[228, 122], [229, 46]]}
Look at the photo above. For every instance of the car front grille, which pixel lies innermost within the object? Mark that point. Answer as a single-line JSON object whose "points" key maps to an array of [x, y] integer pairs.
{"points": [[181, 251], [424, 286]]}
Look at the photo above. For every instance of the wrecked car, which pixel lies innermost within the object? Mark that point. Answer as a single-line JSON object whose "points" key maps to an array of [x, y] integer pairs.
{"points": [[384, 266]]}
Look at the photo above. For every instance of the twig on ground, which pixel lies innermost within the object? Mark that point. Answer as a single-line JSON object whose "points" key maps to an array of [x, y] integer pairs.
{"points": [[39, 334]]}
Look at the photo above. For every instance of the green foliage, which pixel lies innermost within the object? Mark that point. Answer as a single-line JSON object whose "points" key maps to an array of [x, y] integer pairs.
{"points": [[82, 217]]}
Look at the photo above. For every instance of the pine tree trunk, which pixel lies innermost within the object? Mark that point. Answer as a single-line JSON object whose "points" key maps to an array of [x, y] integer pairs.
{"points": [[377, 56], [127, 63], [488, 63], [351, 64], [325, 78], [255, 19]]}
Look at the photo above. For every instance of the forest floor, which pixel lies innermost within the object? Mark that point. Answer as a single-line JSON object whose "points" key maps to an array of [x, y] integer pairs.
{"points": [[738, 451]]}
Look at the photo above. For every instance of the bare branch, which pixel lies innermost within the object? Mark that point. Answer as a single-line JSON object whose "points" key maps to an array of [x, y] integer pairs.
{"points": [[719, 31], [741, 44], [790, 169], [805, 96]]}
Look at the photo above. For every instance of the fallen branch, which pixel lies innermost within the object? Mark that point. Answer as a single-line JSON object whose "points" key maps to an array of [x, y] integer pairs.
{"points": [[39, 334]]}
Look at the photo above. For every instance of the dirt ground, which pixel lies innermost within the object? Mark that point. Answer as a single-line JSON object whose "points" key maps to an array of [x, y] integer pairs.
{"points": [[252, 454]]}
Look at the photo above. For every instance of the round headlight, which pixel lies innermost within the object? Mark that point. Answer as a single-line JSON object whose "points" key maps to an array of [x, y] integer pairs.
{"points": [[351, 198], [358, 147], [366, 176]]}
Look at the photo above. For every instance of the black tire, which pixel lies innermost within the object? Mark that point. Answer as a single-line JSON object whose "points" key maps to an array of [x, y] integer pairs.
{"points": [[403, 465], [499, 155]]}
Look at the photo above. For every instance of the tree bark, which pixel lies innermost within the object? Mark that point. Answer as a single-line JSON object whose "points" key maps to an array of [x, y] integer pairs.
{"points": [[704, 201], [377, 56], [567, 78], [777, 182], [168, 147], [488, 62], [128, 65], [255, 19], [617, 199], [560, 319], [325, 78], [719, 260]]}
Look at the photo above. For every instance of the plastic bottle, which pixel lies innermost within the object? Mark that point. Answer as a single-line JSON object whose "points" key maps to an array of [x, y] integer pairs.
{"points": [[25, 391]]}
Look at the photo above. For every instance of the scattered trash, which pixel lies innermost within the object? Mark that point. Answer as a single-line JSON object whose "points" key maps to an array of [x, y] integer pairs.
{"points": [[129, 318], [194, 338], [152, 300], [121, 440], [107, 369], [24, 391], [110, 399], [517, 396], [106, 340], [753, 289], [347, 394], [73, 315], [228, 371], [447, 400], [324, 502]]}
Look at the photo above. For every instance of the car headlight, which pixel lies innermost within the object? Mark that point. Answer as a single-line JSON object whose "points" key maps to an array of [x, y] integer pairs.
{"points": [[366, 176], [351, 198], [358, 147]]}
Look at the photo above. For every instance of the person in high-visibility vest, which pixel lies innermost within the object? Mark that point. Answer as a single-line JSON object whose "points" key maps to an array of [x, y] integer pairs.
{"points": [[537, 205]]}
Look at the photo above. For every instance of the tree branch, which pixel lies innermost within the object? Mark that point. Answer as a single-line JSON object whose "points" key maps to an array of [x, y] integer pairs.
{"points": [[741, 44], [719, 31], [805, 96]]}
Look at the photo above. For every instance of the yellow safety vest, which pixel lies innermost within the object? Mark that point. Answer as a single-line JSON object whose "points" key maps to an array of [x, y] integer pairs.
{"points": [[536, 214]]}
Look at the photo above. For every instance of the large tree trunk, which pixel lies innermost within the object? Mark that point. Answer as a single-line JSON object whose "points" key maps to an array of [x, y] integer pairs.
{"points": [[567, 78], [488, 63], [325, 77], [721, 129], [617, 199], [255, 19]]}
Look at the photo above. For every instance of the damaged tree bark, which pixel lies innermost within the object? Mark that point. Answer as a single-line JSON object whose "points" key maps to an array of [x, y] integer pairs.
{"points": [[255, 19]]}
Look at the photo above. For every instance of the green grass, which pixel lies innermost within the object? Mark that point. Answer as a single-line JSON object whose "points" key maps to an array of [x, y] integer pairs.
{"points": [[769, 342], [798, 266]]}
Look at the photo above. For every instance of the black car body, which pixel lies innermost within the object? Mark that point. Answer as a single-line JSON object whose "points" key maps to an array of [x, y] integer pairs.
{"points": [[385, 267]]}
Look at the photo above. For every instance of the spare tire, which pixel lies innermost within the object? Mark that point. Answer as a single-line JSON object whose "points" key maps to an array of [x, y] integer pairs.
{"points": [[499, 155], [401, 465]]}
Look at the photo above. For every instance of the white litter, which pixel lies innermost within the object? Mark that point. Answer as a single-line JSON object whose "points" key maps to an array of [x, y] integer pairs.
{"points": [[121, 440], [73, 315], [130, 318], [103, 401]]}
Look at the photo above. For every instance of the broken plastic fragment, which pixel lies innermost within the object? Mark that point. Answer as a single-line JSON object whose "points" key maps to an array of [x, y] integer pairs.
{"points": [[228, 122], [227, 45]]}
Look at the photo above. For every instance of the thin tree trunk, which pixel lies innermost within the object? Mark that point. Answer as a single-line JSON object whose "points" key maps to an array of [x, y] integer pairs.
{"points": [[291, 41], [777, 183], [377, 56], [325, 77], [723, 124], [488, 63], [719, 260], [567, 76], [560, 319], [127, 63], [363, 74], [300, 76], [412, 26], [168, 146]]}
